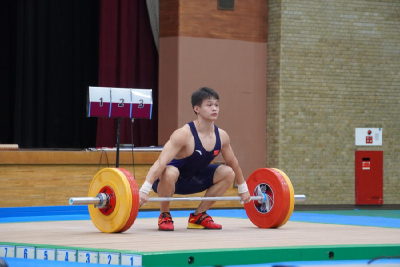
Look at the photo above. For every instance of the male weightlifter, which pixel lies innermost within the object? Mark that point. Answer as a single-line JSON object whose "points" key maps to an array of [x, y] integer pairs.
{"points": [[184, 164]]}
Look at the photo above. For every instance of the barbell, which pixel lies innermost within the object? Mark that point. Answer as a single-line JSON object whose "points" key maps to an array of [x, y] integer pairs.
{"points": [[113, 199]]}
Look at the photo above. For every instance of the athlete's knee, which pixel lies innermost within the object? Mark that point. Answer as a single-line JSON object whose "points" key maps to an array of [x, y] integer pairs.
{"points": [[228, 174], [170, 174]]}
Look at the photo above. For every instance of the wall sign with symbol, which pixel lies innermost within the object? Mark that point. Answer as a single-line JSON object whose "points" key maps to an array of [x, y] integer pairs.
{"points": [[368, 136]]}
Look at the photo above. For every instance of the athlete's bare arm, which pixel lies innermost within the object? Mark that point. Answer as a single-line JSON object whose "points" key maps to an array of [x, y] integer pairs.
{"points": [[231, 161], [177, 141], [174, 146]]}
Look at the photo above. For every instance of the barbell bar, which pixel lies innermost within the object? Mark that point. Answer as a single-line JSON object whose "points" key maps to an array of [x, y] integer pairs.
{"points": [[97, 200]]}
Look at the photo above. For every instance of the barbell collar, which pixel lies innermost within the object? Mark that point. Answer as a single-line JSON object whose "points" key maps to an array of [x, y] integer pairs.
{"points": [[104, 200], [97, 200]]}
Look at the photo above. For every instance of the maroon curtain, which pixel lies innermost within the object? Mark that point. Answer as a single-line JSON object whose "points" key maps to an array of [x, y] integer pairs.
{"points": [[128, 59]]}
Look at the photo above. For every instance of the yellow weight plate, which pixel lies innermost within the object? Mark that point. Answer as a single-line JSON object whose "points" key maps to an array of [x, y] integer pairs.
{"points": [[291, 197], [115, 179]]}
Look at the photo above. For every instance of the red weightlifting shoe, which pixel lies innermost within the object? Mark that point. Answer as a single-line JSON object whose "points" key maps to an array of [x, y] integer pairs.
{"points": [[202, 221], [165, 222]]}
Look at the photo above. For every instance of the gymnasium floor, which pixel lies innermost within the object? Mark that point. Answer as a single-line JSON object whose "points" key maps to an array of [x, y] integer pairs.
{"points": [[310, 238]]}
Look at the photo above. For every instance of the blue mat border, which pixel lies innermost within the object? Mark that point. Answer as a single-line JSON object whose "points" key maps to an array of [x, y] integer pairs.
{"points": [[75, 213]]}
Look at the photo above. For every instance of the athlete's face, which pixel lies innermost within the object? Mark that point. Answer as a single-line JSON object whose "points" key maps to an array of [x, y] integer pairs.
{"points": [[209, 109]]}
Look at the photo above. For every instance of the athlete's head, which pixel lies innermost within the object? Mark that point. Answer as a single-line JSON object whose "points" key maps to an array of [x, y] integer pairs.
{"points": [[201, 94]]}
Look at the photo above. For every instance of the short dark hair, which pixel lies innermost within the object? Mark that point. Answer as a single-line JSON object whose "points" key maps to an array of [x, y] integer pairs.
{"points": [[201, 94]]}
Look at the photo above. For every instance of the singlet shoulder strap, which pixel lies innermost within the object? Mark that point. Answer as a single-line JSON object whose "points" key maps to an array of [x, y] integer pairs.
{"points": [[197, 142], [218, 139], [216, 131]]}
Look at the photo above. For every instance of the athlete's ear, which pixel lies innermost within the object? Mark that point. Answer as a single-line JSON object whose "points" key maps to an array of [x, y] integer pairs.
{"points": [[196, 109]]}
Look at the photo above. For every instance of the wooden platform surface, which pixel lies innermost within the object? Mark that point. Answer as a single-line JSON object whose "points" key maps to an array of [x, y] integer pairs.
{"points": [[143, 236]]}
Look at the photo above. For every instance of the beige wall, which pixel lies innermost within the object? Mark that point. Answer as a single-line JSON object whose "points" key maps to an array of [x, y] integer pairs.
{"points": [[236, 70], [333, 66], [226, 50]]}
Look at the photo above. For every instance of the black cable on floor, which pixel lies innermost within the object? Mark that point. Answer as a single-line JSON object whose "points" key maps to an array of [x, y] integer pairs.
{"points": [[101, 156]]}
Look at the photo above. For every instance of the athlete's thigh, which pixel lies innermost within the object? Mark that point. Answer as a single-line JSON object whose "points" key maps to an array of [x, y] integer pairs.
{"points": [[222, 172], [170, 172]]}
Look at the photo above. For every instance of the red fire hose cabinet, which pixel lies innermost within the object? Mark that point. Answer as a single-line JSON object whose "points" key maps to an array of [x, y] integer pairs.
{"points": [[369, 177]]}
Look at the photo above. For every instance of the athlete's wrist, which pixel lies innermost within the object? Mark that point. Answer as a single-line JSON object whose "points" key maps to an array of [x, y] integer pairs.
{"points": [[242, 188], [146, 187]]}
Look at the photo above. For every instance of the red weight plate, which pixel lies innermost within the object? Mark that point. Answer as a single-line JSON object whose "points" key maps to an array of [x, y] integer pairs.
{"points": [[272, 183], [135, 200]]}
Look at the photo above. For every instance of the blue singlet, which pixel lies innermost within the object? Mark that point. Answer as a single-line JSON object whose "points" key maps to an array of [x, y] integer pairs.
{"points": [[195, 172]]}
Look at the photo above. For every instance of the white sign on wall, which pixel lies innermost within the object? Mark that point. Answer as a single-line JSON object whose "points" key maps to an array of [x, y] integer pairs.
{"points": [[368, 136]]}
